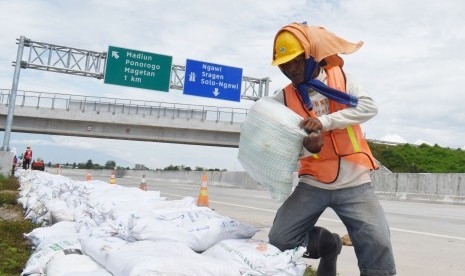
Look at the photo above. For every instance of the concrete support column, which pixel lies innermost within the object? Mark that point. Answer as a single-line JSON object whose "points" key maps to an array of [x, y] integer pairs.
{"points": [[6, 162]]}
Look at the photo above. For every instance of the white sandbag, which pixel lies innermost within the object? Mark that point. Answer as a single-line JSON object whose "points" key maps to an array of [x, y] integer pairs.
{"points": [[98, 272], [198, 228], [122, 214], [101, 202], [270, 145], [185, 203], [125, 210], [100, 248], [62, 265], [62, 215], [41, 234], [256, 257], [145, 258], [48, 250], [59, 210], [106, 199]]}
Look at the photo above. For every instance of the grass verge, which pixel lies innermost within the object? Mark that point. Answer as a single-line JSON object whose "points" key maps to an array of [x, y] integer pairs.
{"points": [[310, 272], [14, 249]]}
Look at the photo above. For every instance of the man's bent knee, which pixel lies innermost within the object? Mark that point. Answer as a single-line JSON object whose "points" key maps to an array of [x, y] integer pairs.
{"points": [[276, 239]]}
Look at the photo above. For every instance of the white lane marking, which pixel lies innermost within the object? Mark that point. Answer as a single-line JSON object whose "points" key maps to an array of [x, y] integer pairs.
{"points": [[230, 204], [243, 206], [337, 220], [174, 195], [428, 234]]}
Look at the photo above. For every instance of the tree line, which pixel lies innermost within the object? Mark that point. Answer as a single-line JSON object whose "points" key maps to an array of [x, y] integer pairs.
{"points": [[90, 165], [184, 168], [405, 158], [111, 165]]}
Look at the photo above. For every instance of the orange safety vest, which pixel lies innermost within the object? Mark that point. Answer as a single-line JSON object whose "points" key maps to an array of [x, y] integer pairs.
{"points": [[28, 154], [347, 143]]}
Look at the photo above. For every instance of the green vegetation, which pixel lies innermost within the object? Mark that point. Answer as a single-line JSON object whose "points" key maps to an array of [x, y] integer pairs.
{"points": [[310, 272], [184, 168], [8, 197], [110, 165], [14, 249], [409, 158], [8, 183], [89, 165]]}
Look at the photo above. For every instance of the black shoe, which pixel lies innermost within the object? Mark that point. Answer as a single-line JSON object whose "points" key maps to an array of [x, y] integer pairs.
{"points": [[325, 246]]}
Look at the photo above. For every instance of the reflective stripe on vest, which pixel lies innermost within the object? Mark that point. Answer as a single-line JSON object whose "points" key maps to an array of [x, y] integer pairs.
{"points": [[353, 140], [347, 143]]}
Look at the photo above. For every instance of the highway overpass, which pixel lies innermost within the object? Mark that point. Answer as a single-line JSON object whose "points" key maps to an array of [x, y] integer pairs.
{"points": [[126, 119]]}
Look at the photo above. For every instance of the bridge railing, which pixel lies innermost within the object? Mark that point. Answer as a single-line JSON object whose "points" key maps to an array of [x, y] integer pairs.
{"points": [[124, 106]]}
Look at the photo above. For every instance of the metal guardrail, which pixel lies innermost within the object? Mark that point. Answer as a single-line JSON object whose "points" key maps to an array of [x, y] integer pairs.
{"points": [[116, 105]]}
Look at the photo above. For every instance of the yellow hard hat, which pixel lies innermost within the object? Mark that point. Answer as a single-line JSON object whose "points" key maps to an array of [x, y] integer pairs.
{"points": [[286, 48], [28, 146]]}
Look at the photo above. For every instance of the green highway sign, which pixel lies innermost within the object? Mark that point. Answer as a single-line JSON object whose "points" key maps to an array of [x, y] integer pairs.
{"points": [[138, 69]]}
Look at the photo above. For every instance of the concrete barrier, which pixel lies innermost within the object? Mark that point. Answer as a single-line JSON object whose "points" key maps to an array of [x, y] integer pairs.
{"points": [[446, 188]]}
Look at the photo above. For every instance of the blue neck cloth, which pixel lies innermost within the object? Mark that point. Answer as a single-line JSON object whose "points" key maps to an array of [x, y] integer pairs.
{"points": [[331, 93]]}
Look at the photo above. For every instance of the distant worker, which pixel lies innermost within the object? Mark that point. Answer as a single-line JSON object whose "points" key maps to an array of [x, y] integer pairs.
{"points": [[15, 162], [143, 184], [334, 169], [27, 158]]}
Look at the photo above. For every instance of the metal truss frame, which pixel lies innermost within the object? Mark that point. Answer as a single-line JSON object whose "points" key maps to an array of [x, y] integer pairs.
{"points": [[62, 59], [74, 61]]}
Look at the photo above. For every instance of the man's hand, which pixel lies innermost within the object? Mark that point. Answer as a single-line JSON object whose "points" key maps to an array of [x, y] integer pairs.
{"points": [[311, 124], [313, 142]]}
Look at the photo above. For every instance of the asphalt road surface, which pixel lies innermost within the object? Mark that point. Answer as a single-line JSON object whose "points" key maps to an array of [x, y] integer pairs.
{"points": [[428, 239]]}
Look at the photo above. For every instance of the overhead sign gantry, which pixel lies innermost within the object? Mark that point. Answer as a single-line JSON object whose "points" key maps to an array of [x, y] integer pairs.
{"points": [[75, 61]]}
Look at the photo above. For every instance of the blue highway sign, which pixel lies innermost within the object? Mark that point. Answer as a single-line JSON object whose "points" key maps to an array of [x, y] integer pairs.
{"points": [[212, 80]]}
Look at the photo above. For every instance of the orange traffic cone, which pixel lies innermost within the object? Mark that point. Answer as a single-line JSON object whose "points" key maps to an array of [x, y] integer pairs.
{"points": [[143, 185], [88, 176], [112, 177], [202, 200]]}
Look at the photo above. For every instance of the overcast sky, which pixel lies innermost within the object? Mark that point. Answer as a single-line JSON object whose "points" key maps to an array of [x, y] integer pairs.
{"points": [[411, 62]]}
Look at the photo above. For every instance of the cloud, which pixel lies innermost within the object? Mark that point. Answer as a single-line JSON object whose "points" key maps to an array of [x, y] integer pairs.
{"points": [[393, 138], [420, 142], [32, 142], [410, 64]]}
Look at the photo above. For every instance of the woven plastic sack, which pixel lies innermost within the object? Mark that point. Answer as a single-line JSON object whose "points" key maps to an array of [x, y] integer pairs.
{"points": [[198, 228], [270, 144], [257, 257], [62, 265], [164, 258]]}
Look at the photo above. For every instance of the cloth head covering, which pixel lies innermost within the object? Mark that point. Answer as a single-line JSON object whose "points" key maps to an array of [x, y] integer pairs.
{"points": [[319, 44]]}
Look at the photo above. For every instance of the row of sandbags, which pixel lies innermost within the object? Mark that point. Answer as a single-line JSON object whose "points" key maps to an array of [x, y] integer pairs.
{"points": [[94, 228]]}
